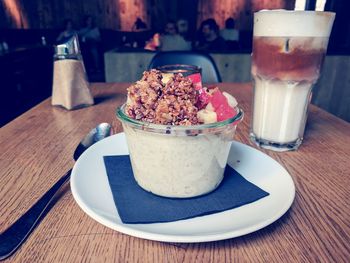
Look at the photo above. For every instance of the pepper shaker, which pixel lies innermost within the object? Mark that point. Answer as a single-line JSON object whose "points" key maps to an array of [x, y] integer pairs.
{"points": [[70, 87]]}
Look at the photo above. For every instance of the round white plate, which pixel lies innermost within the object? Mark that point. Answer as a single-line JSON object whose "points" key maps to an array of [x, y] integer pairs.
{"points": [[90, 188]]}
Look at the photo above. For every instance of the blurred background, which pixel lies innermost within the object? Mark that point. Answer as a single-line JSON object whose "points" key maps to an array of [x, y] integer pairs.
{"points": [[118, 39]]}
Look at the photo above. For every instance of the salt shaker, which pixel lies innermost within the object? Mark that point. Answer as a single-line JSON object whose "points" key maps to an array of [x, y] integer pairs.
{"points": [[70, 87]]}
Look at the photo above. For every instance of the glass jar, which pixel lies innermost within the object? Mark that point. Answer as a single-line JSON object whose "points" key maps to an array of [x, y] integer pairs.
{"points": [[178, 161]]}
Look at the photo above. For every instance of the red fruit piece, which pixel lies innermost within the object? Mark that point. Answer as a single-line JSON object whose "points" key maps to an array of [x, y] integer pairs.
{"points": [[196, 80], [203, 95], [224, 113], [221, 106], [218, 99], [204, 98]]}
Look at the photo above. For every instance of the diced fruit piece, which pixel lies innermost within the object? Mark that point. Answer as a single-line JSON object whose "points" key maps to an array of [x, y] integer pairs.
{"points": [[218, 99], [207, 116], [210, 107], [221, 106], [129, 100], [203, 99], [224, 112], [230, 99], [196, 78], [211, 89], [203, 95], [166, 77]]}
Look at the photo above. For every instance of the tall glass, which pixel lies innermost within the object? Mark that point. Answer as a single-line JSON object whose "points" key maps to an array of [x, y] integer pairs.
{"points": [[288, 52]]}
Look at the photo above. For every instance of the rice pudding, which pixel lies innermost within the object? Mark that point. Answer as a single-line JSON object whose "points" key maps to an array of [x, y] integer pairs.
{"points": [[178, 136]]}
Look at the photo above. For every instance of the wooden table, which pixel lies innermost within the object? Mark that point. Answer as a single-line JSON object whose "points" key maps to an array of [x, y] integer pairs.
{"points": [[37, 147]]}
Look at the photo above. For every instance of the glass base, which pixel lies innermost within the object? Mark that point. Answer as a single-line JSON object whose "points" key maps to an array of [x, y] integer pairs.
{"points": [[275, 146]]}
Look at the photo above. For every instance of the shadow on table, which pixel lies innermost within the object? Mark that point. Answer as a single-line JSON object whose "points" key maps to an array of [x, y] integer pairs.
{"points": [[105, 97]]}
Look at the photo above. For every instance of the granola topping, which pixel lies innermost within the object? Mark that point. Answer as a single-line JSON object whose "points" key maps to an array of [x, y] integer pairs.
{"points": [[179, 101], [173, 103]]}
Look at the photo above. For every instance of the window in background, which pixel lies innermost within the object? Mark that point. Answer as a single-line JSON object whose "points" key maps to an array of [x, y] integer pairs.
{"points": [[320, 5], [300, 5]]}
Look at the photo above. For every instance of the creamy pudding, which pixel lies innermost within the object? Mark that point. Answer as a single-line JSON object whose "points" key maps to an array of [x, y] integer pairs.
{"points": [[178, 141]]}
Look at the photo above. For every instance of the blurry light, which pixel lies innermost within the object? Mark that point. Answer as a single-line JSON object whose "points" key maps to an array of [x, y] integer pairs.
{"points": [[320, 5], [300, 4], [15, 12]]}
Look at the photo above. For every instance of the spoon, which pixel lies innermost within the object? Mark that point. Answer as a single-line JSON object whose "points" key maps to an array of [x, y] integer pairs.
{"points": [[13, 237]]}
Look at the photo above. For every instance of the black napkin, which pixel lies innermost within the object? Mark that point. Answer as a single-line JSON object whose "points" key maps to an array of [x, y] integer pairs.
{"points": [[136, 205]]}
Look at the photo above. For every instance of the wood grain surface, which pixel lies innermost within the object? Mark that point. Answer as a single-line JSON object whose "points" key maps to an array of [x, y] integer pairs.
{"points": [[37, 147]]}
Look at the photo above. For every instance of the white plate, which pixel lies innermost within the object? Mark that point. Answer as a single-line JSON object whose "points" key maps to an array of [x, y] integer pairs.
{"points": [[89, 184]]}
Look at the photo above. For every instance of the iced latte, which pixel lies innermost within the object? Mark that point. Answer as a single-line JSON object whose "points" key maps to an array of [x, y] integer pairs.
{"points": [[288, 51]]}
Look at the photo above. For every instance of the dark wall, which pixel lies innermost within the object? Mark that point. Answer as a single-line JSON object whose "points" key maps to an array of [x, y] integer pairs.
{"points": [[26, 79], [340, 37], [51, 13]]}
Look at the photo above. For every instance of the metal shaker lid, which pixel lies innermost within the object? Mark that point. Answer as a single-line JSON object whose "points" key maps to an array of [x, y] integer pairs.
{"points": [[69, 47]]}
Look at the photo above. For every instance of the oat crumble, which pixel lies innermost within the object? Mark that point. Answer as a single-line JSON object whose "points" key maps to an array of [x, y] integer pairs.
{"points": [[173, 103]]}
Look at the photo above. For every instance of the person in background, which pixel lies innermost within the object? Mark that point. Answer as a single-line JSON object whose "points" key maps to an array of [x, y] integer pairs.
{"points": [[68, 31], [183, 30], [171, 40], [209, 38], [229, 33], [139, 25], [91, 38], [154, 43], [182, 27]]}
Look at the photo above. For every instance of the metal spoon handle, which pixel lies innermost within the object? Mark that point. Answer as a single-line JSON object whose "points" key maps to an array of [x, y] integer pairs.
{"points": [[13, 237]]}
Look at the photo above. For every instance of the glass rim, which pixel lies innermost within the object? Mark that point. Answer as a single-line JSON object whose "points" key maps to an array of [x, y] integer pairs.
{"points": [[160, 127], [293, 23], [171, 67], [294, 11]]}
